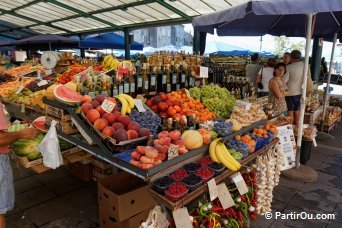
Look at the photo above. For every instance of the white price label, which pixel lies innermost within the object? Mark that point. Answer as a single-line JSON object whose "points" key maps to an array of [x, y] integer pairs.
{"points": [[187, 92], [21, 87], [204, 72], [224, 196], [172, 152], [108, 106], [212, 189], [240, 183], [182, 218], [22, 108], [138, 103], [42, 83]]}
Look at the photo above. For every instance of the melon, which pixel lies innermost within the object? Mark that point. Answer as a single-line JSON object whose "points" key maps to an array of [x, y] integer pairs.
{"points": [[50, 92], [40, 123], [67, 95]]}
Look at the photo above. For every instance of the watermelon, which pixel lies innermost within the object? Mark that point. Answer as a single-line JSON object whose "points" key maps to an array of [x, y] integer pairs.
{"points": [[67, 95], [17, 127], [28, 147]]}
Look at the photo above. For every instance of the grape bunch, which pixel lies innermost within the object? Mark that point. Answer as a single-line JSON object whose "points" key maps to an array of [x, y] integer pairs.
{"points": [[236, 154], [147, 120], [238, 146], [33, 86], [222, 128]]}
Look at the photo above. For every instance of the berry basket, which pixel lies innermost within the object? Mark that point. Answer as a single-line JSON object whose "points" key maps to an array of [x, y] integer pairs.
{"points": [[205, 173], [179, 175], [176, 191], [192, 167], [192, 182], [162, 184], [216, 167]]}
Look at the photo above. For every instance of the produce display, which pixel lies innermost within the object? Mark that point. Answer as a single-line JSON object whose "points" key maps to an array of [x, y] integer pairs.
{"points": [[332, 114], [69, 74], [110, 62], [28, 98], [147, 120], [245, 117], [67, 95], [217, 99], [9, 88], [222, 128]]}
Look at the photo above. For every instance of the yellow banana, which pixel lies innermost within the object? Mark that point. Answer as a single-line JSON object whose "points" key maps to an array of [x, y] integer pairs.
{"points": [[129, 110], [105, 59], [129, 100], [224, 159], [124, 105], [230, 157], [212, 149]]}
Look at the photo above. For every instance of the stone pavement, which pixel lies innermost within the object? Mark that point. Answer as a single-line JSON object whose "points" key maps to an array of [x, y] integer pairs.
{"points": [[58, 199]]}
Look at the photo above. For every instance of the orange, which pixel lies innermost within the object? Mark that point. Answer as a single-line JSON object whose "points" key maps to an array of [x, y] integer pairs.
{"points": [[265, 136], [238, 137], [260, 131]]}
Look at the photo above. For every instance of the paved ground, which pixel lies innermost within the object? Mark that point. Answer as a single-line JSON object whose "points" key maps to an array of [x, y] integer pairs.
{"points": [[57, 199]]}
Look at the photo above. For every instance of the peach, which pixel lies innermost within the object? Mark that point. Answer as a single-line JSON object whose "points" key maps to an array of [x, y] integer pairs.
{"points": [[162, 149], [156, 100], [156, 142], [155, 108], [165, 141], [110, 117], [100, 98], [116, 114], [163, 134], [149, 103], [131, 134], [144, 132], [182, 150], [179, 142], [174, 135], [101, 111], [108, 131], [133, 126], [141, 149], [95, 103], [161, 157], [163, 96], [125, 120], [120, 135], [86, 107], [162, 106], [100, 124], [86, 99], [118, 126], [93, 115]]}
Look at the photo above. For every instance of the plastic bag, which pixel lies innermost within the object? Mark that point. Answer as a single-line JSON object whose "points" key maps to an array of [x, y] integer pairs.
{"points": [[49, 148]]}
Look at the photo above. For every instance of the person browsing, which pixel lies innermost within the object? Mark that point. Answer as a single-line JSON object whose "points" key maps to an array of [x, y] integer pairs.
{"points": [[253, 68], [264, 76]]}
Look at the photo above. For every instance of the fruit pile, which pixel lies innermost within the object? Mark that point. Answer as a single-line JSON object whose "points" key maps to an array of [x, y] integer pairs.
{"points": [[147, 120], [248, 139], [219, 153], [191, 167], [176, 191], [179, 174], [113, 124], [222, 128], [34, 87], [148, 157], [161, 184], [205, 173], [236, 154], [205, 161], [177, 104], [192, 139], [6, 78], [206, 135], [246, 117], [238, 146], [69, 74], [192, 181], [217, 99]]}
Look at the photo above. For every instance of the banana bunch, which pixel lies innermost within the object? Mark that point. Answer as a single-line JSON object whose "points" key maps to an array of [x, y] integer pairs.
{"points": [[219, 153], [109, 62], [127, 103]]}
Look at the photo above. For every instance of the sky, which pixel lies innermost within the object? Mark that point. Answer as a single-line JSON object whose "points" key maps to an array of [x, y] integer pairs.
{"points": [[253, 42]]}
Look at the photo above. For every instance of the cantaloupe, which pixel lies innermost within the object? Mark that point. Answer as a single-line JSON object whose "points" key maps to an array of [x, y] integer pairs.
{"points": [[192, 139]]}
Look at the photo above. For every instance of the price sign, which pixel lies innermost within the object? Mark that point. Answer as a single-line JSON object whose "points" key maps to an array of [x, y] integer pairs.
{"points": [[21, 87], [287, 146], [212, 189], [108, 106], [187, 92], [240, 183], [224, 196], [138, 103], [182, 218], [172, 152], [204, 72], [42, 83]]}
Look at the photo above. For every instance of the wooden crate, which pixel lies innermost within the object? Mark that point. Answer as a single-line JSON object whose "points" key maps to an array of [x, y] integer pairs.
{"points": [[57, 113], [65, 126]]}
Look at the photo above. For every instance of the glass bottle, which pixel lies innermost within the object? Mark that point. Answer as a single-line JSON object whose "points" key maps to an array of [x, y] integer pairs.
{"points": [[139, 85], [160, 84], [125, 84], [153, 81], [174, 77], [114, 89], [169, 124], [168, 80], [145, 79], [132, 91]]}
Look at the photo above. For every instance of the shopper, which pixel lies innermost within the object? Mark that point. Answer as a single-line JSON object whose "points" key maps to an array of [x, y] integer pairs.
{"points": [[264, 76], [324, 68], [6, 175], [294, 80], [287, 58], [252, 69], [277, 88]]}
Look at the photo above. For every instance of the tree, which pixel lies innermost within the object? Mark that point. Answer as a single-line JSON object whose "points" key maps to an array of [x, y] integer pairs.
{"points": [[283, 44], [297, 45]]}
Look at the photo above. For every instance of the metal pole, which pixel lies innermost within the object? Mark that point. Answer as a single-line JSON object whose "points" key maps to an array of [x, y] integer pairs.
{"points": [[127, 48], [326, 95], [305, 77]]}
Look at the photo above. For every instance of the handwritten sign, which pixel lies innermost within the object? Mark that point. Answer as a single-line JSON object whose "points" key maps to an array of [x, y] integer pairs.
{"points": [[240, 183], [224, 196], [204, 72], [172, 152], [212, 189], [42, 83], [182, 218], [138, 103], [288, 146], [187, 92], [108, 106]]}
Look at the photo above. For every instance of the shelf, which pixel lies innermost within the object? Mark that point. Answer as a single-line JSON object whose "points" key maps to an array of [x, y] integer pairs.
{"points": [[29, 113], [203, 188]]}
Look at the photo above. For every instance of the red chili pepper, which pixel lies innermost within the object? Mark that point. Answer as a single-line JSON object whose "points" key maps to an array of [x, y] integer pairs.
{"points": [[240, 217], [232, 212], [216, 208]]}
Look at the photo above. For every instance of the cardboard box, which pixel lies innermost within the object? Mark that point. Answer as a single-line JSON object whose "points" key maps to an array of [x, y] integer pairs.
{"points": [[81, 171], [106, 221], [124, 195]]}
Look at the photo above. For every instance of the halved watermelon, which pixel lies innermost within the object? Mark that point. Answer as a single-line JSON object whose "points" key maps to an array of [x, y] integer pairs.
{"points": [[40, 123], [66, 95]]}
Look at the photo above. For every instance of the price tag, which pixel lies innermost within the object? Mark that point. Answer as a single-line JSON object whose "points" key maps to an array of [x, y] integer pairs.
{"points": [[182, 218], [204, 72], [138, 103], [314, 142], [187, 92], [172, 152], [42, 83], [108, 106], [22, 108], [21, 87], [240, 183], [224, 196], [212, 189]]}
